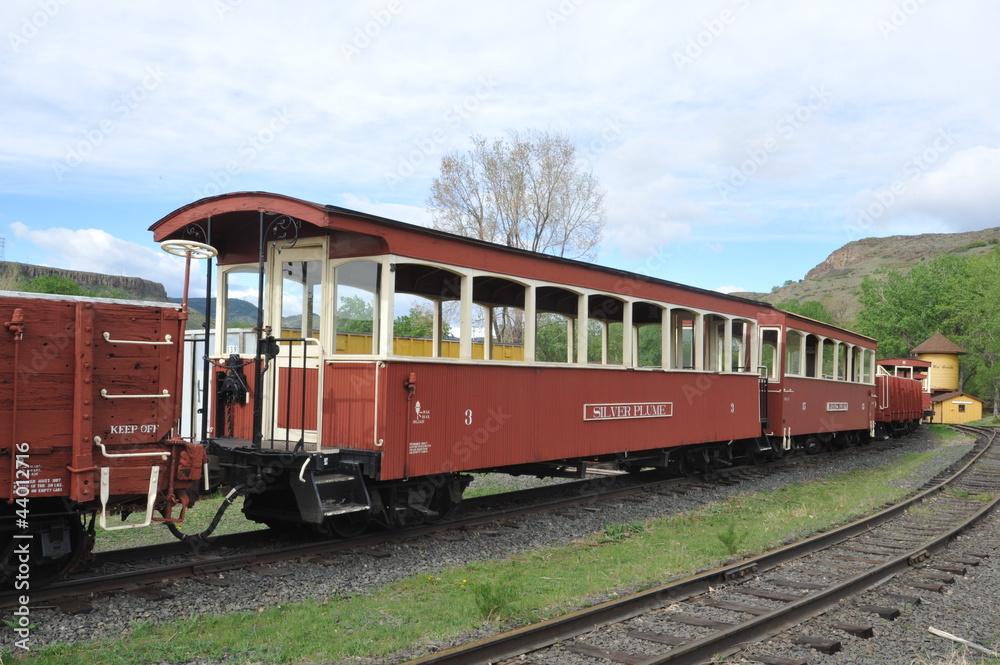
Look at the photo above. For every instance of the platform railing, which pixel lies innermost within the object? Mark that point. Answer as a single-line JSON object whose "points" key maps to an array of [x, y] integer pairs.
{"points": [[287, 386]]}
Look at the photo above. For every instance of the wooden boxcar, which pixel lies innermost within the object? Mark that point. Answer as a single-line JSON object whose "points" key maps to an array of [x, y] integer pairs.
{"points": [[89, 397]]}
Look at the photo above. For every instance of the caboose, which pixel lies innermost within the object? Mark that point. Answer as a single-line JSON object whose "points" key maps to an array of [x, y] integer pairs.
{"points": [[528, 363]]}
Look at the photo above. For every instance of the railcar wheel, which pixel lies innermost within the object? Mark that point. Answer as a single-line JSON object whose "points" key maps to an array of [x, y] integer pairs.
{"points": [[55, 542], [812, 445]]}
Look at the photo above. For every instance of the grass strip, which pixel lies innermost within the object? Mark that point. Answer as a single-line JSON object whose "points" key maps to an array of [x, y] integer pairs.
{"points": [[433, 608]]}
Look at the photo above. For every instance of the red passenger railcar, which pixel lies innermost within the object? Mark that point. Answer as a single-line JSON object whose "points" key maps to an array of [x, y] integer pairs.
{"points": [[89, 398], [820, 381], [527, 363]]}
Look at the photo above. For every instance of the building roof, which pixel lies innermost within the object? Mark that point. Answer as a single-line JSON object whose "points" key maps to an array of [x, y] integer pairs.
{"points": [[944, 397], [938, 343], [903, 362]]}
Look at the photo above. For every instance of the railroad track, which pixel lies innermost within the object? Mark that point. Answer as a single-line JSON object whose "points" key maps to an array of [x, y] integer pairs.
{"points": [[717, 613], [175, 560]]}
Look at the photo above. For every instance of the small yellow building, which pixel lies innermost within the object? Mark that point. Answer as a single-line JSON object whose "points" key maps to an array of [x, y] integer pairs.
{"points": [[956, 407], [942, 353]]}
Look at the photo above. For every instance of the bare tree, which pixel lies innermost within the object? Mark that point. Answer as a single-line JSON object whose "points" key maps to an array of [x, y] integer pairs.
{"points": [[525, 191]]}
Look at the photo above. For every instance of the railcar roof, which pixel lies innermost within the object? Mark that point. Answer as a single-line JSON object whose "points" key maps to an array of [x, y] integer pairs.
{"points": [[324, 216], [171, 224], [68, 298]]}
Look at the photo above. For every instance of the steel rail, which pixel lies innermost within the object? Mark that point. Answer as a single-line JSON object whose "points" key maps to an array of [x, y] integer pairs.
{"points": [[546, 633], [586, 491]]}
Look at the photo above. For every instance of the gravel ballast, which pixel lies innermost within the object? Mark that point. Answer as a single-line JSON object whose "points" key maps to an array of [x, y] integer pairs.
{"points": [[966, 610]]}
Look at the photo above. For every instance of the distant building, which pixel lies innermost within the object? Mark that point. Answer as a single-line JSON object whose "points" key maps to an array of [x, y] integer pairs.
{"points": [[950, 406], [956, 407], [942, 353]]}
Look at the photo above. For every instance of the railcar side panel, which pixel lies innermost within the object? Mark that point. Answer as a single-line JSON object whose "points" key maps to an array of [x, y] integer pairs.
{"points": [[467, 417], [94, 386], [819, 406]]}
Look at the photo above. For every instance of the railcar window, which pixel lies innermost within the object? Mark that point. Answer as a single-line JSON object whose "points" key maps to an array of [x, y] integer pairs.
{"points": [[739, 351], [769, 352], [238, 303], [868, 358], [604, 330], [842, 354], [426, 312], [356, 313], [829, 358], [814, 356], [715, 340], [857, 364], [557, 311], [497, 318], [301, 301], [647, 344], [793, 353], [683, 340]]}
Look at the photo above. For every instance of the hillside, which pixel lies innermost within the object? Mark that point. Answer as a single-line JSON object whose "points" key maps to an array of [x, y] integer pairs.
{"points": [[132, 288], [836, 281]]}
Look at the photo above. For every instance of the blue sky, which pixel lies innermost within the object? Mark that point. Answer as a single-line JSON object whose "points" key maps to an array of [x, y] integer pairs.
{"points": [[739, 141]]}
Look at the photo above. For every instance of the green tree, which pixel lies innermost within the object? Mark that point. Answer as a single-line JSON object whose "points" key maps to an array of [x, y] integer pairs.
{"points": [[56, 284], [355, 315], [956, 296], [813, 309]]}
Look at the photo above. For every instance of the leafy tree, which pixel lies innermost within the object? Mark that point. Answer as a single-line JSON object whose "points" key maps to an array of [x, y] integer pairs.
{"points": [[550, 338], [901, 311], [354, 315], [56, 284], [813, 309], [526, 191], [419, 322], [953, 295]]}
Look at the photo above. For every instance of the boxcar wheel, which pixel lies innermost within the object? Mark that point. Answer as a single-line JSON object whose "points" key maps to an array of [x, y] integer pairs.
{"points": [[50, 520]]}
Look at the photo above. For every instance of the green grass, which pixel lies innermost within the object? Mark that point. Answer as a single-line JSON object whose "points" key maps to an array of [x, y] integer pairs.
{"points": [[528, 587]]}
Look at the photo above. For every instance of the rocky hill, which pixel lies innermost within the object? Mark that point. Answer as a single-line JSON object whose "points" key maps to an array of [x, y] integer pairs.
{"points": [[836, 281], [129, 287]]}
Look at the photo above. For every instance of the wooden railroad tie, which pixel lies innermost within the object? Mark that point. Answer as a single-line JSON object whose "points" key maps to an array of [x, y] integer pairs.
{"points": [[585, 649], [659, 638], [888, 613], [819, 643], [866, 632]]}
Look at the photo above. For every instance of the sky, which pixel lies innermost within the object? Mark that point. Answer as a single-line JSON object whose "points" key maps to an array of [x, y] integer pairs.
{"points": [[738, 142]]}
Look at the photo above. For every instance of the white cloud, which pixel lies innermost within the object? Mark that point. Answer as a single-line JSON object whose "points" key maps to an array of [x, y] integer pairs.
{"points": [[94, 250], [367, 94], [729, 289]]}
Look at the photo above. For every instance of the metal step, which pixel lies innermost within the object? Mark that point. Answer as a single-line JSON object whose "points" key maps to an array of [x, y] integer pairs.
{"points": [[334, 478], [335, 508]]}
